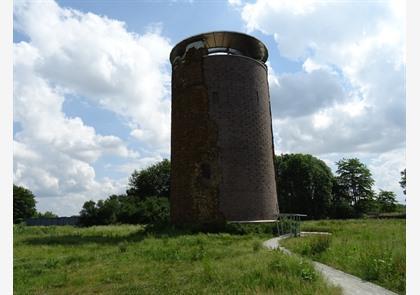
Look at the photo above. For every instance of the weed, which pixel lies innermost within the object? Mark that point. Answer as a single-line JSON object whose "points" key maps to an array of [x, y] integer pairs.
{"points": [[373, 250], [122, 246], [316, 245], [256, 246], [158, 261], [51, 263], [308, 274]]}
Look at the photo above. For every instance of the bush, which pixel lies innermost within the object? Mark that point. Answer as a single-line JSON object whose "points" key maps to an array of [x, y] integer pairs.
{"points": [[316, 245], [122, 246], [250, 228], [256, 246], [23, 204], [154, 210], [125, 209]]}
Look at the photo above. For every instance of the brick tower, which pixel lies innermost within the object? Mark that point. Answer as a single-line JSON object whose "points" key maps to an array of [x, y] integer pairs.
{"points": [[222, 144]]}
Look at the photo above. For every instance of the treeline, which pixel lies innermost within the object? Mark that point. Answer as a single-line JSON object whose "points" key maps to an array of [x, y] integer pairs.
{"points": [[305, 184], [24, 205], [146, 200]]}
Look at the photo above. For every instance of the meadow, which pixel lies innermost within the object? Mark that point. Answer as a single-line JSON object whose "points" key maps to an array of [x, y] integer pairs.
{"points": [[130, 259], [372, 249]]}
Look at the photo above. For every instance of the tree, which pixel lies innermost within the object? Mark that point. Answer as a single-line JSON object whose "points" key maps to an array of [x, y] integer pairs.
{"points": [[89, 214], [23, 204], [152, 181], [355, 183], [402, 181], [387, 201], [304, 184], [340, 207], [46, 214], [125, 209]]}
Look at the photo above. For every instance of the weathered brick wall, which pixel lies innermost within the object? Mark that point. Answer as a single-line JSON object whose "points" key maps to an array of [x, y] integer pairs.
{"points": [[221, 147], [194, 167], [241, 110]]}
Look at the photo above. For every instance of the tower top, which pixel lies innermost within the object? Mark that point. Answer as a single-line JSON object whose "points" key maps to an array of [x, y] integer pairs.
{"points": [[222, 42]]}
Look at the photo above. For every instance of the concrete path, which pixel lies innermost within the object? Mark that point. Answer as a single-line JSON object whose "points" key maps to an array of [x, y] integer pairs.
{"points": [[350, 284]]}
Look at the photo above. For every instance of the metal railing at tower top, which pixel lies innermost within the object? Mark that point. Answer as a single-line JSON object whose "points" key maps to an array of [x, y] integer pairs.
{"points": [[233, 43]]}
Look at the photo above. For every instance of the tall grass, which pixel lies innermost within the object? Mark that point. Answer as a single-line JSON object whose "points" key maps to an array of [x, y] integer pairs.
{"points": [[373, 250], [137, 260]]}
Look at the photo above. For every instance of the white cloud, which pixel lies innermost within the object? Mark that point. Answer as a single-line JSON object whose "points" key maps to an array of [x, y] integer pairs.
{"points": [[53, 153], [321, 120], [98, 58], [299, 94], [386, 170], [94, 57], [235, 2], [357, 108], [354, 74], [309, 66]]}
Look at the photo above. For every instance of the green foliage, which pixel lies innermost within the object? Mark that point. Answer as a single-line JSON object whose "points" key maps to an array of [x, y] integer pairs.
{"points": [[46, 214], [23, 204], [146, 200], [249, 228], [304, 185], [354, 185], [152, 181], [154, 210], [128, 259], [402, 181], [372, 249], [308, 274], [89, 214], [122, 246], [125, 209], [256, 246], [341, 206], [386, 201], [316, 245]]}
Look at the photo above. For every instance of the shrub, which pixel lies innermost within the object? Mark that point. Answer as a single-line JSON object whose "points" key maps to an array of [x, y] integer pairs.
{"points": [[256, 246], [125, 209], [122, 246], [316, 245], [244, 229], [154, 210]]}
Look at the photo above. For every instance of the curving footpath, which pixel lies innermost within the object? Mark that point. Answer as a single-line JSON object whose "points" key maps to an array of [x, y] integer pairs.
{"points": [[350, 284]]}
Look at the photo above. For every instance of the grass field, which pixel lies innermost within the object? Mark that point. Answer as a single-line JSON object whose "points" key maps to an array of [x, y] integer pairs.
{"points": [[372, 249], [136, 260]]}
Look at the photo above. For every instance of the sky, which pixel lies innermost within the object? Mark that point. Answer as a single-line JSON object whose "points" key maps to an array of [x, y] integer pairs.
{"points": [[92, 93]]}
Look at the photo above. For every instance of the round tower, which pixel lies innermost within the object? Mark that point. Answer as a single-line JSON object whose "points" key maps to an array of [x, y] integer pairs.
{"points": [[222, 144]]}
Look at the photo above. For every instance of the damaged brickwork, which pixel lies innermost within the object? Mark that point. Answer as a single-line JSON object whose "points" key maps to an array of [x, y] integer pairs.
{"points": [[195, 171], [221, 145]]}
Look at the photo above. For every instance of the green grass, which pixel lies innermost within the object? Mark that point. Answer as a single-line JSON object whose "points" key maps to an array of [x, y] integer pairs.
{"points": [[373, 249], [135, 260]]}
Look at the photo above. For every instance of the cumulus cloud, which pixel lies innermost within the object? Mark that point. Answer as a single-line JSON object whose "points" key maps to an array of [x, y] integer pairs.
{"points": [[53, 152], [302, 93], [350, 94], [322, 28], [94, 57], [349, 98], [97, 57]]}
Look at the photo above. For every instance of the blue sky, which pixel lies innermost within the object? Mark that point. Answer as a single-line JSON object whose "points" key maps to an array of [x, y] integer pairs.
{"points": [[92, 86]]}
